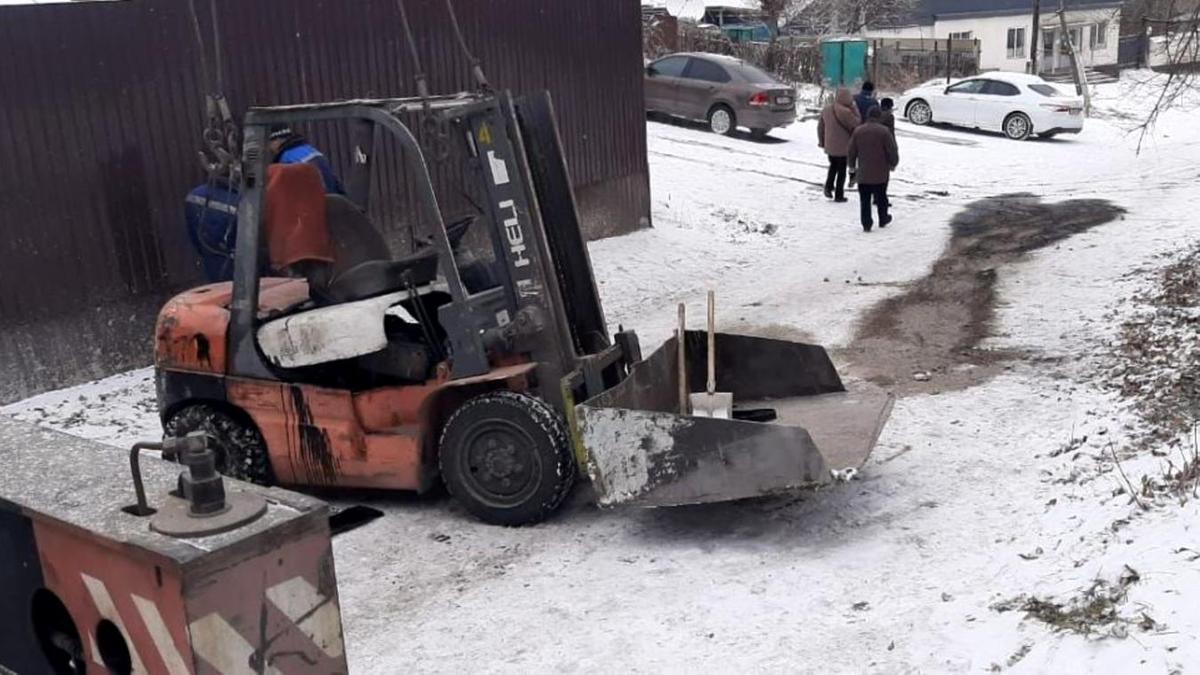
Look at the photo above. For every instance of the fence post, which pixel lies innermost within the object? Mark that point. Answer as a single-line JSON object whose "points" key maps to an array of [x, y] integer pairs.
{"points": [[949, 49], [875, 62], [1144, 43], [925, 63]]}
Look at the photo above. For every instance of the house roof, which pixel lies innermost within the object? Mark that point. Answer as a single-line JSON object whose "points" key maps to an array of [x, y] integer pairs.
{"points": [[694, 9], [928, 9]]}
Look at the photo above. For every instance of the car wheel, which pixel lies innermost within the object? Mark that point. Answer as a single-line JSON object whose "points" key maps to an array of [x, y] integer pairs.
{"points": [[1017, 126], [240, 449], [919, 113], [721, 120], [507, 458]]}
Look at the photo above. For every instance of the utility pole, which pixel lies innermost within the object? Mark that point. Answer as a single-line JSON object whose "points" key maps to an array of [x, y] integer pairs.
{"points": [[1035, 36], [1081, 84]]}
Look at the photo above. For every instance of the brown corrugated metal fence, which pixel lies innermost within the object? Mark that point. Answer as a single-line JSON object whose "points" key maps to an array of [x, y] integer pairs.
{"points": [[101, 109]]}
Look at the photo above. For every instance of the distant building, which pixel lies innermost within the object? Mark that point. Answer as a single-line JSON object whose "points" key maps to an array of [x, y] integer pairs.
{"points": [[1004, 31], [740, 23]]}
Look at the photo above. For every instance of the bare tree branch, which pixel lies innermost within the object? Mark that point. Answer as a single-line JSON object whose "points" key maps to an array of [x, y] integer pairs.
{"points": [[824, 17], [1177, 31]]}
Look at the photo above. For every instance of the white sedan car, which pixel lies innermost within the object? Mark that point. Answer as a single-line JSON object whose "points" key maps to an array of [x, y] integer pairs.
{"points": [[1013, 103]]}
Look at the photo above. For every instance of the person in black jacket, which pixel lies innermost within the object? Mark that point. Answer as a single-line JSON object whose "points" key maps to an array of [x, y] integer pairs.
{"points": [[888, 118]]}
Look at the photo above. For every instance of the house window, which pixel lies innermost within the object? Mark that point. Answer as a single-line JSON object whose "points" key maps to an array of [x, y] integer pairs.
{"points": [[1049, 38], [1099, 36], [965, 35], [1016, 43], [1075, 36]]}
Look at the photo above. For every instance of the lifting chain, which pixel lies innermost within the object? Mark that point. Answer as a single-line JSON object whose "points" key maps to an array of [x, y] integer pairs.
{"points": [[221, 144], [435, 129], [219, 154]]}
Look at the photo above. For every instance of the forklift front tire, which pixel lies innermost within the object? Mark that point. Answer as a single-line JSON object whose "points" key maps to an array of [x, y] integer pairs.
{"points": [[506, 457], [240, 448]]}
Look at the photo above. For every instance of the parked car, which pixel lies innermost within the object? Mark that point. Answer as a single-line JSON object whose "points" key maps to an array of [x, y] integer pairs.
{"points": [[1016, 104], [723, 91]]}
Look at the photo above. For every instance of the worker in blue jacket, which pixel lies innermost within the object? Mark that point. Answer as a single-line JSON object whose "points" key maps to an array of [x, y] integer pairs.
{"points": [[210, 210], [289, 147], [865, 100]]}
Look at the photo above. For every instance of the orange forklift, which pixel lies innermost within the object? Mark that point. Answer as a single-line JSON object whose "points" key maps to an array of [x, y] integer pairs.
{"points": [[482, 358], [328, 361]]}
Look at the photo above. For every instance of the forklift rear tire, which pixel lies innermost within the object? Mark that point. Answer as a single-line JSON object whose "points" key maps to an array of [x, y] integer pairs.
{"points": [[507, 458], [241, 451]]}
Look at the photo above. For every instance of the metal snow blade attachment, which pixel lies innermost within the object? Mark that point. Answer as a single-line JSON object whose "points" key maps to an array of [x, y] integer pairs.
{"points": [[794, 424]]}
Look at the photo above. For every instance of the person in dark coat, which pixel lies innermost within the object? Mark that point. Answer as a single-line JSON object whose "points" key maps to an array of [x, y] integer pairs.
{"points": [[873, 149], [865, 99], [888, 117], [290, 147], [838, 121]]}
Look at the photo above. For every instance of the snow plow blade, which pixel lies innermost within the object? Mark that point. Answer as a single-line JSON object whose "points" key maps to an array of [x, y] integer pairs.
{"points": [[641, 450]]}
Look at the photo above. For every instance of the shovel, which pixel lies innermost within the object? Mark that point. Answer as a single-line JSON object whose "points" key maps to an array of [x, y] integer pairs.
{"points": [[681, 342], [712, 403]]}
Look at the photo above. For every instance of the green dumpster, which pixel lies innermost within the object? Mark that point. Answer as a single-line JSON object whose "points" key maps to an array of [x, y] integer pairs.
{"points": [[843, 62]]}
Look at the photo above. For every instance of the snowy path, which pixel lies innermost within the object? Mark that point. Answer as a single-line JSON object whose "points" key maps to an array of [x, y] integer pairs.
{"points": [[965, 503]]}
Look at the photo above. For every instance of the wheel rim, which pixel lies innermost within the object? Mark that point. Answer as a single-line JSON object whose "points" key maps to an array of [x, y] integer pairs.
{"points": [[920, 113], [501, 464], [721, 121], [1017, 127]]}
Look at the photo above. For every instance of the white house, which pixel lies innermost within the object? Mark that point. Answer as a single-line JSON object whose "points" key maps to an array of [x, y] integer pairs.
{"points": [[1004, 28]]}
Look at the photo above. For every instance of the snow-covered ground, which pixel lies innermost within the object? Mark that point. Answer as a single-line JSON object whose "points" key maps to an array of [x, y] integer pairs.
{"points": [[977, 500]]}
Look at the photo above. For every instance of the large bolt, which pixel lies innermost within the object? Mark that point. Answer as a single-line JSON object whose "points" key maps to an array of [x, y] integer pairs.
{"points": [[201, 485]]}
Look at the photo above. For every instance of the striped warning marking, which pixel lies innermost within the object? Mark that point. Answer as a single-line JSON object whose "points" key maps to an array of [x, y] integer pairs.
{"points": [[104, 605], [215, 641], [161, 636], [314, 614]]}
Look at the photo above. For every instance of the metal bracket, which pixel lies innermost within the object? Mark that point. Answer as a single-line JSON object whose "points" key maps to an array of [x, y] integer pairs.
{"points": [[200, 507]]}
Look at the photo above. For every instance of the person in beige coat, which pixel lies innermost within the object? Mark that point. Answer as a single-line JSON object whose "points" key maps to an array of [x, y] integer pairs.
{"points": [[838, 121]]}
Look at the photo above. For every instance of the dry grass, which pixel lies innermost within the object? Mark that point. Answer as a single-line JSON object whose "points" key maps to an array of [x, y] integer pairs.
{"points": [[1095, 613], [1157, 367], [1158, 360]]}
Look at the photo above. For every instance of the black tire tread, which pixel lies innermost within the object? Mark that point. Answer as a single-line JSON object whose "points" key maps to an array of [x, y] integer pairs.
{"points": [[550, 423], [242, 452]]}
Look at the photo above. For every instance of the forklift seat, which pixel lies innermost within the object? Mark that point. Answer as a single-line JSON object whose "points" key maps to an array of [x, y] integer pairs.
{"points": [[363, 265], [376, 277], [355, 239], [330, 241]]}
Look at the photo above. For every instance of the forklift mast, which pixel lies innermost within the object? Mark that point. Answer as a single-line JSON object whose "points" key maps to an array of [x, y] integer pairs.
{"points": [[556, 315], [545, 307]]}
